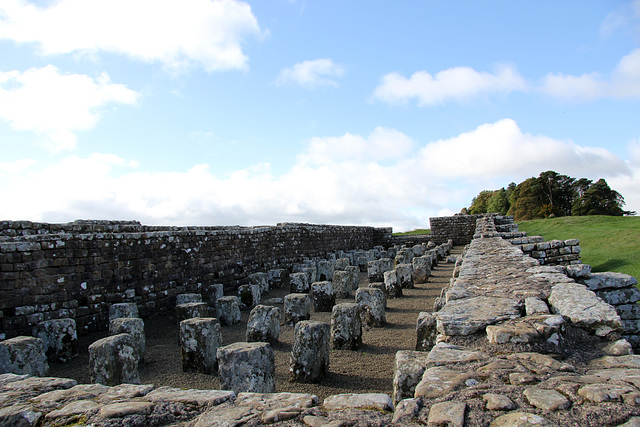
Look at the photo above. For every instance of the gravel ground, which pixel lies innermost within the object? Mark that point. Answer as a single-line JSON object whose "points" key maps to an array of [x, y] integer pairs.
{"points": [[367, 370]]}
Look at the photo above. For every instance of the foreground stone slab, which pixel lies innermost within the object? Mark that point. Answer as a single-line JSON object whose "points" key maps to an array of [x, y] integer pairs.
{"points": [[59, 337], [440, 381], [23, 355], [469, 315], [584, 309], [375, 401], [191, 396], [547, 400], [114, 360], [520, 419], [450, 414], [247, 367], [310, 352], [19, 415]]}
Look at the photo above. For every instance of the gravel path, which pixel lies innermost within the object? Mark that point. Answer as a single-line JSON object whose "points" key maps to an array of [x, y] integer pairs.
{"points": [[367, 370]]}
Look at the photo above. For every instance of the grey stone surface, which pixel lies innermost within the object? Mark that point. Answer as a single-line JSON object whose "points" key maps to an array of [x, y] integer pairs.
{"points": [[342, 284], [264, 324], [323, 296], [23, 355], [297, 307], [299, 283], [133, 326], [262, 280], [192, 309], [200, 338], [405, 275], [376, 401], [610, 280], [426, 331], [123, 309], [250, 295], [409, 368], [450, 414], [346, 326], [310, 352], [470, 315], [229, 310], [392, 284], [247, 367], [114, 360], [278, 278], [584, 308], [421, 269], [59, 337], [187, 298], [372, 306]]}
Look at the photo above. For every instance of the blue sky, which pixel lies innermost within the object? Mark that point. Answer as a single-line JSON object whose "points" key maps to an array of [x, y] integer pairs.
{"points": [[385, 113]]}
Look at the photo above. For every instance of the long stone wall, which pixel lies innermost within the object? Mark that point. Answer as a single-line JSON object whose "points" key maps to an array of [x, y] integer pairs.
{"points": [[77, 270], [459, 228]]}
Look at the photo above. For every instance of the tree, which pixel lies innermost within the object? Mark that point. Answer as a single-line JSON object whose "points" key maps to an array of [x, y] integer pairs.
{"points": [[599, 199], [499, 202], [557, 193], [526, 200], [480, 203]]}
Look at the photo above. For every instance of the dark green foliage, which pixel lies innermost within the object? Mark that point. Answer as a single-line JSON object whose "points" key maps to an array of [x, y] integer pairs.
{"points": [[551, 195]]}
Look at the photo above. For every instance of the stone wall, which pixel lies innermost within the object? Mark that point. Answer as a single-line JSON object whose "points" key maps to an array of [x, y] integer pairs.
{"points": [[460, 228], [77, 270]]}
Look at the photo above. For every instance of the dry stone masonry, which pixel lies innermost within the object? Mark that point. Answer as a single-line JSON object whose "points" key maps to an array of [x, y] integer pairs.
{"points": [[524, 334]]}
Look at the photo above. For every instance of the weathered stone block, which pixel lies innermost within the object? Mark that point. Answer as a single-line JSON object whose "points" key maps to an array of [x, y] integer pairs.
{"points": [[410, 366], [23, 355], [260, 279], [325, 270], [383, 288], [421, 269], [341, 284], [346, 326], [250, 295], [123, 309], [299, 283], [341, 264], [59, 337], [247, 367], [310, 352], [426, 331], [200, 338], [213, 293], [371, 302], [264, 324], [405, 275], [354, 273], [134, 327], [114, 360], [229, 310], [392, 284], [187, 298], [297, 307], [323, 297], [278, 278], [191, 309]]}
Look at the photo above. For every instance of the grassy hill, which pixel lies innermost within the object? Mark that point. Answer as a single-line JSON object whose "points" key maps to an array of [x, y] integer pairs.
{"points": [[609, 243]]}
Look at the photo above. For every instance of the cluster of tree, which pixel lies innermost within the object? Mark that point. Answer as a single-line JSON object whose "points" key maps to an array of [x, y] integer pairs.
{"points": [[549, 195]]}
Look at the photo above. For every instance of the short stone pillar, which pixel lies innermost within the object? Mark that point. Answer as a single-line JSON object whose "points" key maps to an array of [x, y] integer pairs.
{"points": [[341, 264], [323, 297], [23, 355], [247, 367], [213, 293], [354, 272], [325, 270], [383, 288], [250, 295], [403, 257], [375, 271], [114, 360], [310, 351], [362, 262], [421, 269], [405, 275], [341, 284], [200, 338], [229, 310], [278, 278], [391, 282], [123, 309], [264, 324], [59, 337], [346, 326], [187, 298], [133, 326], [311, 273], [426, 332], [371, 302], [260, 279], [297, 307], [191, 309], [299, 283]]}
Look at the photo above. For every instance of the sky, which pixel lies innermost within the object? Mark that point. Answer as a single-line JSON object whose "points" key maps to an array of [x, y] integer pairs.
{"points": [[380, 113]]}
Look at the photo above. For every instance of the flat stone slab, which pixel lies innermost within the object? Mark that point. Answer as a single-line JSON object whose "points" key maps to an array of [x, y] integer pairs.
{"points": [[122, 409], [469, 315], [547, 400], [440, 381], [191, 396], [371, 401], [610, 280], [450, 414], [584, 308], [521, 419], [443, 354]]}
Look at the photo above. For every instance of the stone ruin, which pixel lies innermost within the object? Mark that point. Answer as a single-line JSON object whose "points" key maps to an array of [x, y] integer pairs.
{"points": [[524, 335]]}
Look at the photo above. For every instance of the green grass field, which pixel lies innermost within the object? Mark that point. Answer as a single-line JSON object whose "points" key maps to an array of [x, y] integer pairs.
{"points": [[609, 243], [416, 231]]}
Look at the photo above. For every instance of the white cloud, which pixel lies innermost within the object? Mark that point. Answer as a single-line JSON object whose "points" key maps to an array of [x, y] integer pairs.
{"points": [[176, 34], [458, 84], [624, 82], [624, 17], [55, 105], [335, 180], [311, 74]]}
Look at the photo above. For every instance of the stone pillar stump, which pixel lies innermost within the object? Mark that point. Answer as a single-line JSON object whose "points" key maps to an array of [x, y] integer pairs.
{"points": [[123, 309], [346, 326], [297, 307], [310, 351], [192, 309], [114, 360], [264, 324], [59, 337], [391, 282], [371, 302], [247, 367], [199, 341], [23, 355], [133, 326], [229, 310], [299, 283], [323, 297]]}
